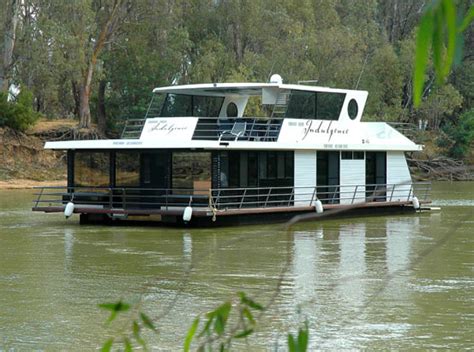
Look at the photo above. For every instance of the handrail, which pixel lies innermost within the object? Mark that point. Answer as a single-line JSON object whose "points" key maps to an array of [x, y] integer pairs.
{"points": [[228, 198], [256, 129]]}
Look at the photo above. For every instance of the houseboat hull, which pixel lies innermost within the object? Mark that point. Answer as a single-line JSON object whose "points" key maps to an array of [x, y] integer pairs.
{"points": [[230, 217]]}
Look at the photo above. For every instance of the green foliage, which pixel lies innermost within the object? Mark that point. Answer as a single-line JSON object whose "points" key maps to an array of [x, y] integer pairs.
{"points": [[438, 30], [114, 309], [18, 114], [440, 104], [462, 134], [300, 342], [139, 321], [216, 331]]}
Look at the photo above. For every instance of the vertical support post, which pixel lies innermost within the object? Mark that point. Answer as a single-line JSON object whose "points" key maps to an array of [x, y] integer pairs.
{"points": [[112, 171], [70, 170], [354, 195], [393, 190], [124, 199], [268, 196], [291, 196], [242, 199], [312, 197], [409, 193]]}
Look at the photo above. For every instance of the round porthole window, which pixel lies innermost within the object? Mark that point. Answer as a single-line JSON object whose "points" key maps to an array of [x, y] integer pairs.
{"points": [[352, 109], [232, 110]]}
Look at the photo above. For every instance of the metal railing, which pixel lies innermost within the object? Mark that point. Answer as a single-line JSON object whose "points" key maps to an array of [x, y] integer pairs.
{"points": [[120, 197], [133, 128], [255, 129], [306, 196], [225, 198]]}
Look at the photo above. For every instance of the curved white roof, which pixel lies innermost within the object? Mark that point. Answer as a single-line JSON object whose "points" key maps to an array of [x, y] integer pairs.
{"points": [[244, 88]]}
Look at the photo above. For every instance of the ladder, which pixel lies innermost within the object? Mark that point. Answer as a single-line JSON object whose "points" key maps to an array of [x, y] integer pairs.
{"points": [[281, 105], [132, 129]]}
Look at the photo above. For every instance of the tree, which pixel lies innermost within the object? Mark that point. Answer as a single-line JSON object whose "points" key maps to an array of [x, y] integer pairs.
{"points": [[9, 39], [107, 19]]}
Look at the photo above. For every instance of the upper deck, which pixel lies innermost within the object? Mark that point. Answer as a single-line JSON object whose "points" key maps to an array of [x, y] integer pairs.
{"points": [[254, 116]]}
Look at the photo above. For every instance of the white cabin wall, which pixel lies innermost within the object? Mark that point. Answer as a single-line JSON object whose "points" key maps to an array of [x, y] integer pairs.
{"points": [[241, 103], [352, 176], [305, 176], [398, 176]]}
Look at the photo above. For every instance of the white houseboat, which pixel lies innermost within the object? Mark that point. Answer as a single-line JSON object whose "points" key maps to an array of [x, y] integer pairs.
{"points": [[239, 152]]}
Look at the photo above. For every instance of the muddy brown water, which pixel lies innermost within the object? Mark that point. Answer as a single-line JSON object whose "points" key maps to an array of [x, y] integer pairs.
{"points": [[386, 282]]}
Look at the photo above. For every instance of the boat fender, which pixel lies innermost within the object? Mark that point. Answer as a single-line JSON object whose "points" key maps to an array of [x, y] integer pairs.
{"points": [[318, 206], [69, 210], [416, 203], [187, 214]]}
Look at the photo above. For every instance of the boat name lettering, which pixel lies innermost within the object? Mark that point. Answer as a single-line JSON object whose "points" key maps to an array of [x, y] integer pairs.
{"points": [[323, 128], [165, 126]]}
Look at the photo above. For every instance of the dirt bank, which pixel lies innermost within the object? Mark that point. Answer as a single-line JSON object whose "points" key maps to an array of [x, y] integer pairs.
{"points": [[24, 163]]}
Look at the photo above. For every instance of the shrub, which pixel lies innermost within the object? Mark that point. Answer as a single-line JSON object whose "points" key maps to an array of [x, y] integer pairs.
{"points": [[18, 114], [462, 133]]}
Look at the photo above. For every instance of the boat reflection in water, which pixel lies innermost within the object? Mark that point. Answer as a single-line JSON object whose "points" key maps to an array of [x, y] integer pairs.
{"points": [[339, 274]]}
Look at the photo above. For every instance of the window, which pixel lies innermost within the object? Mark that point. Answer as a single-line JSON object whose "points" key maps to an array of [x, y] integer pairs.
{"points": [[352, 109], [91, 169], [302, 105], [289, 162], [315, 105], [346, 155], [181, 105], [232, 110], [329, 105], [272, 165], [352, 155], [127, 169], [189, 167]]}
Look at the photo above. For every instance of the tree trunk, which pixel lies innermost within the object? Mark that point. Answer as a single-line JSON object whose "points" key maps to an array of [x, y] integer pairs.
{"points": [[101, 118], [76, 93], [105, 33], [13, 9], [84, 108]]}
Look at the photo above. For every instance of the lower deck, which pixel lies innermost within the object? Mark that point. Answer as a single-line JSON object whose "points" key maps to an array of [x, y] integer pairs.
{"points": [[230, 205]]}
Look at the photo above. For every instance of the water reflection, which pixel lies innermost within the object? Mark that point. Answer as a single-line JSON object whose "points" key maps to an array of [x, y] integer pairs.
{"points": [[352, 266], [68, 248], [187, 250], [350, 257]]}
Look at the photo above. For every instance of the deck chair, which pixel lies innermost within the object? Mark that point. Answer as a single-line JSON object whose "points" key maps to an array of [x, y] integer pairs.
{"points": [[238, 130]]}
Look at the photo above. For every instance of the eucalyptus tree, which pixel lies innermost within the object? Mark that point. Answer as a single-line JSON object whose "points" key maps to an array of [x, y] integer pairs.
{"points": [[12, 10]]}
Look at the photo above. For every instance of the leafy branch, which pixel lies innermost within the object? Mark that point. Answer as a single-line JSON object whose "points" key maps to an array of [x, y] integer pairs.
{"points": [[441, 32]]}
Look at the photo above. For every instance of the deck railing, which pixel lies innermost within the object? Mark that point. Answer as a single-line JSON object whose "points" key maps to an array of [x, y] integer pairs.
{"points": [[226, 198], [238, 129]]}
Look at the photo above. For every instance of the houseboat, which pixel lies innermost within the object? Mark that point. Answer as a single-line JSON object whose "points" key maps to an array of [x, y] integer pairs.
{"points": [[221, 153]]}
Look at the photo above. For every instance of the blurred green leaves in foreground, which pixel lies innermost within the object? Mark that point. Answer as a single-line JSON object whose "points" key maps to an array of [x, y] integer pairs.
{"points": [[235, 319], [440, 31]]}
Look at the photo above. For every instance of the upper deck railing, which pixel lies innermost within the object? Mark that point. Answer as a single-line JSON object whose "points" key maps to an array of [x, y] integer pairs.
{"points": [[238, 129], [221, 129]]}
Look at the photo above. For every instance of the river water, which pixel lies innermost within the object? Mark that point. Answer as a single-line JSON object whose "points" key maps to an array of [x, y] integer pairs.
{"points": [[386, 282]]}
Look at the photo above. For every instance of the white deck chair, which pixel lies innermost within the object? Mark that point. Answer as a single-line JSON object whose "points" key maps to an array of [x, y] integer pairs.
{"points": [[238, 130]]}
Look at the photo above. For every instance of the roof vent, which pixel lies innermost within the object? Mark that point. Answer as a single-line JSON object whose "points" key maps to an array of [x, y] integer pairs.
{"points": [[276, 79]]}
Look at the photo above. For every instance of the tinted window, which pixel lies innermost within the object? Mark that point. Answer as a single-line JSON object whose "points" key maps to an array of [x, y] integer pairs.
{"points": [[91, 169], [302, 105], [329, 105], [180, 105], [127, 169], [232, 110], [346, 155], [315, 105], [352, 109]]}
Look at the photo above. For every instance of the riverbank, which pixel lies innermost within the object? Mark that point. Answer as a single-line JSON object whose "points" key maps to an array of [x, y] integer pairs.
{"points": [[23, 161], [27, 184]]}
